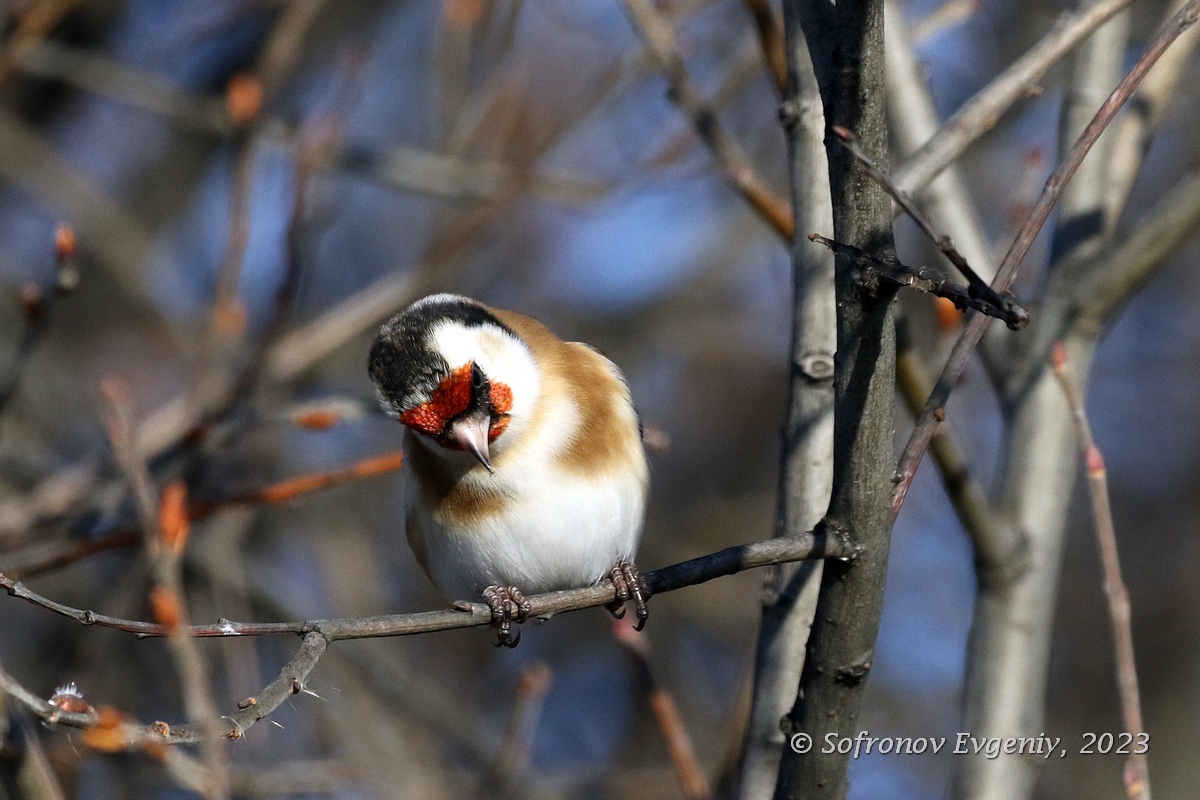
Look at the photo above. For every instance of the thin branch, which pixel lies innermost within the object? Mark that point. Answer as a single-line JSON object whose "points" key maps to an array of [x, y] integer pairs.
{"points": [[770, 36], [1000, 548], [403, 168], [873, 271], [978, 287], [979, 114], [1137, 773], [1116, 274], [692, 780], [945, 16], [919, 440], [822, 543], [43, 558], [123, 735], [912, 119], [1133, 133], [165, 529], [40, 559], [35, 311], [655, 31], [789, 592], [513, 760], [34, 26], [846, 624], [287, 490], [117, 238]]}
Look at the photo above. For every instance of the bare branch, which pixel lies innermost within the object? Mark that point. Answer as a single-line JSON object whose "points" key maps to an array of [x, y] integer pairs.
{"points": [[1115, 275], [35, 311], [1134, 131], [978, 288], [693, 782], [822, 543], [1000, 547], [872, 271], [164, 546], [770, 35], [979, 114], [842, 642], [913, 120], [1137, 774], [35, 24], [513, 760], [806, 468], [947, 15], [919, 440], [655, 31], [125, 734]]}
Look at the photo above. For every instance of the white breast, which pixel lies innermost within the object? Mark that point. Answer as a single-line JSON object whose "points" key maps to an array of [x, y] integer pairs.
{"points": [[557, 534]]}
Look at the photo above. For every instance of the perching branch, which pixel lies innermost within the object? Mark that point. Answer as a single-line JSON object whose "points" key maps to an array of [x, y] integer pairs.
{"points": [[822, 543]]}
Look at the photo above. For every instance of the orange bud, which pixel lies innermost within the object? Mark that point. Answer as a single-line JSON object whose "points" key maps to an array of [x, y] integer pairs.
{"points": [[462, 13], [320, 420], [65, 243], [230, 319], [243, 99], [108, 735], [165, 607], [948, 315], [1095, 460], [155, 750], [173, 521], [1058, 356], [70, 699]]}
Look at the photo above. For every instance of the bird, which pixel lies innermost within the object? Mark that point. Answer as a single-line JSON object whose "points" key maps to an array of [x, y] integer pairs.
{"points": [[525, 468]]}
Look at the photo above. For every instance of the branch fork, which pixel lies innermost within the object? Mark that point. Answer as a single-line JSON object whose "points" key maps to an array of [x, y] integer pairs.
{"points": [[876, 271]]}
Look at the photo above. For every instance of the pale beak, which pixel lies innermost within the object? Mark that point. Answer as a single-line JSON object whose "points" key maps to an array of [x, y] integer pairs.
{"points": [[471, 434]]}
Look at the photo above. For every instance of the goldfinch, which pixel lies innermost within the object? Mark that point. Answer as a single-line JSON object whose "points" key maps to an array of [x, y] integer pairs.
{"points": [[524, 458]]}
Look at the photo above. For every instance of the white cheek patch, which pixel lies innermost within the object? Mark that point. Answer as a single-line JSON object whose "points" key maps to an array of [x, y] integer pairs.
{"points": [[502, 357]]}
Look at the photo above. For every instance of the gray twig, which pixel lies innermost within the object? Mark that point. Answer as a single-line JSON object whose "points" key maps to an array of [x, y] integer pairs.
{"points": [[1137, 773], [923, 431]]}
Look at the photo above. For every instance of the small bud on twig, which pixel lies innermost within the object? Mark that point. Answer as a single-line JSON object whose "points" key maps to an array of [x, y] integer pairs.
{"points": [[173, 520], [165, 607], [65, 254], [243, 99], [70, 699], [108, 734]]}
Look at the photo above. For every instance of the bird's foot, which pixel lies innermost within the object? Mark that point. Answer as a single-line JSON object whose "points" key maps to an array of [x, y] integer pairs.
{"points": [[627, 580], [508, 606]]}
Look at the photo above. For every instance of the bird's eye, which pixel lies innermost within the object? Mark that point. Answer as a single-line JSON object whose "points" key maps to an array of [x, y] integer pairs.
{"points": [[477, 377]]}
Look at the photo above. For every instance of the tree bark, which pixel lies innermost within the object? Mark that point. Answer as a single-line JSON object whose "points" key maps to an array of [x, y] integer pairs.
{"points": [[806, 471], [841, 645]]}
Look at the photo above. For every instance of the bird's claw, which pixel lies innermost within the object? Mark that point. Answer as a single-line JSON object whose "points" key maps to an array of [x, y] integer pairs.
{"points": [[629, 584], [508, 605]]}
